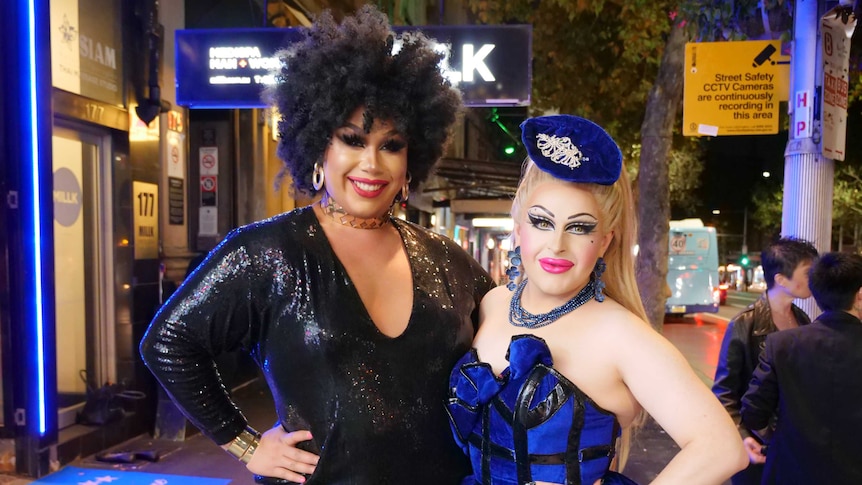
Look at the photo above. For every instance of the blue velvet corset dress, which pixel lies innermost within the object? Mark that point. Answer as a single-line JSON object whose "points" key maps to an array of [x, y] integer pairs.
{"points": [[374, 404], [531, 423]]}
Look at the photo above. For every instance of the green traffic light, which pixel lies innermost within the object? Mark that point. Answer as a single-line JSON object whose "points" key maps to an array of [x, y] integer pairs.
{"points": [[744, 261], [509, 150]]}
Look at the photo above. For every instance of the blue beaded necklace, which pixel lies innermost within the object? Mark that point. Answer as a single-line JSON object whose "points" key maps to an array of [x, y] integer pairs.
{"points": [[522, 318]]}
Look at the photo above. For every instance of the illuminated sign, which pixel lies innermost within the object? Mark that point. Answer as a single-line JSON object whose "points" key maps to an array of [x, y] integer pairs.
{"points": [[221, 68], [86, 49], [145, 199], [734, 88]]}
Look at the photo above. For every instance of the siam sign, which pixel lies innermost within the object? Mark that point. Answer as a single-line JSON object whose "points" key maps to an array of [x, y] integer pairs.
{"points": [[230, 68]]}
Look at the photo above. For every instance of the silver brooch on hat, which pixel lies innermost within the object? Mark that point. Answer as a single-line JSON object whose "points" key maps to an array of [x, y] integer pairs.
{"points": [[560, 149]]}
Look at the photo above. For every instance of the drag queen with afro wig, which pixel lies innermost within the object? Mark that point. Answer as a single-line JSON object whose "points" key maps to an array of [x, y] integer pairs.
{"points": [[354, 316]]}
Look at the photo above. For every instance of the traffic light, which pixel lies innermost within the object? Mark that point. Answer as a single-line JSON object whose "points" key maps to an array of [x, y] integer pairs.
{"points": [[509, 145], [743, 260]]}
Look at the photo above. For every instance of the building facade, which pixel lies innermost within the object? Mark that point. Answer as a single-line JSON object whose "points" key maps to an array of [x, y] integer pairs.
{"points": [[109, 189]]}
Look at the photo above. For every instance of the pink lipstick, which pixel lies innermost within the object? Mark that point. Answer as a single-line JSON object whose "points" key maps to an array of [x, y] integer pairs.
{"points": [[555, 266]]}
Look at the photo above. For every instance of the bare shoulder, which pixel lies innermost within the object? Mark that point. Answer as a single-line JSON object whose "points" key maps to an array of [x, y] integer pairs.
{"points": [[499, 295], [493, 304], [628, 329], [618, 317]]}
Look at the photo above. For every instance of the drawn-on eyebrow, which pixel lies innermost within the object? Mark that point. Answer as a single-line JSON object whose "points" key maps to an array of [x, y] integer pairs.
{"points": [[358, 129], [573, 216], [544, 209], [582, 214]]}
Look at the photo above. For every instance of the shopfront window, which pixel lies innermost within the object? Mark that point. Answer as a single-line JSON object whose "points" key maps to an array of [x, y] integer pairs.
{"points": [[80, 268]]}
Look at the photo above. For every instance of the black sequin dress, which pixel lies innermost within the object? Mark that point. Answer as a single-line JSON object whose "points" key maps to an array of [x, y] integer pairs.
{"points": [[374, 404]]}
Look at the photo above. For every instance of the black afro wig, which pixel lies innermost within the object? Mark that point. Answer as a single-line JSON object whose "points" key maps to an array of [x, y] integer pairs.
{"points": [[338, 68]]}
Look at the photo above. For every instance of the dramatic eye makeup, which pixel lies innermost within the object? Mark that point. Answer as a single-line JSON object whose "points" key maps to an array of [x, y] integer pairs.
{"points": [[540, 222], [354, 136], [541, 218], [394, 145], [581, 227], [352, 139]]}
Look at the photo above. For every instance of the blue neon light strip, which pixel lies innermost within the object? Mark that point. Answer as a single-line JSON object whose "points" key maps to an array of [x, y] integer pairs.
{"points": [[37, 216]]}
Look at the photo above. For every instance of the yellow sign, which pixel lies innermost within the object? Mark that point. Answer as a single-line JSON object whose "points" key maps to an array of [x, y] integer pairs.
{"points": [[145, 203], [733, 88]]}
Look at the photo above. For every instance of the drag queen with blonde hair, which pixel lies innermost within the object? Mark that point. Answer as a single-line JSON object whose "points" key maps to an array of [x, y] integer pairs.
{"points": [[564, 361]]}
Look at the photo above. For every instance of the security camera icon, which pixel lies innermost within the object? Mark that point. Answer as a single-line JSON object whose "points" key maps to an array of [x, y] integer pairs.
{"points": [[765, 55]]}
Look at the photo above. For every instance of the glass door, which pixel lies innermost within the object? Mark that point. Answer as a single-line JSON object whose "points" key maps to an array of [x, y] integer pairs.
{"points": [[81, 233]]}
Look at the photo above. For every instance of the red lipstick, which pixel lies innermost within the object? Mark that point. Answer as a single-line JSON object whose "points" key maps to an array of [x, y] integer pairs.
{"points": [[367, 187]]}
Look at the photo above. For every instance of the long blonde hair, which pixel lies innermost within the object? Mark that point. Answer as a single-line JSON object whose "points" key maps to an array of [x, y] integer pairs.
{"points": [[616, 209]]}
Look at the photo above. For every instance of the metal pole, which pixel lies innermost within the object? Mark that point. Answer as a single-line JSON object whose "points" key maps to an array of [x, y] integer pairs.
{"points": [[745, 230], [808, 176]]}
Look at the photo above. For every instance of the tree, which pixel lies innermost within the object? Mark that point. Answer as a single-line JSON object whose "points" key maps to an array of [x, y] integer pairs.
{"points": [[846, 205], [592, 58], [717, 20], [599, 59], [685, 167], [767, 212], [653, 199], [855, 81]]}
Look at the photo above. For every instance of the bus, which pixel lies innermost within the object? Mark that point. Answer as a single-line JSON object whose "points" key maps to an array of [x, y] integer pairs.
{"points": [[692, 269]]}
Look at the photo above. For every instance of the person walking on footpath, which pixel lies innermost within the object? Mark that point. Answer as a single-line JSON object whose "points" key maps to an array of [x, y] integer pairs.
{"points": [[354, 316], [811, 377], [785, 268], [564, 362]]}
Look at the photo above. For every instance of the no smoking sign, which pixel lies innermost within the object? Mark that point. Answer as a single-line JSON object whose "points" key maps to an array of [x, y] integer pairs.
{"points": [[208, 158], [208, 161]]}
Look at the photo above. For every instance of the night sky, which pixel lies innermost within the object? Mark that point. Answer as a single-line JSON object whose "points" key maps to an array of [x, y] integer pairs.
{"points": [[734, 167], [733, 170]]}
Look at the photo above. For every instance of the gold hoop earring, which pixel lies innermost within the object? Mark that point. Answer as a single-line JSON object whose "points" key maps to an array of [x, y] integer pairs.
{"points": [[405, 189], [317, 177]]}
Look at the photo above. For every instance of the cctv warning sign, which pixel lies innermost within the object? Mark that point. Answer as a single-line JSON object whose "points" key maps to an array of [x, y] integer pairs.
{"points": [[734, 88]]}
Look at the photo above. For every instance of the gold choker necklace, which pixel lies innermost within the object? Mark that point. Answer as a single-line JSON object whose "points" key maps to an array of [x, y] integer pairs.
{"points": [[335, 211]]}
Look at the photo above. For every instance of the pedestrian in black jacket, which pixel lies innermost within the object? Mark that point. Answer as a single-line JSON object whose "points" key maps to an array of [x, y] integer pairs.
{"points": [[785, 268], [812, 377]]}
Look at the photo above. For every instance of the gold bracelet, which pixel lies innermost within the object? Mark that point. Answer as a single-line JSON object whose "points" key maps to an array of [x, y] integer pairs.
{"points": [[243, 446]]}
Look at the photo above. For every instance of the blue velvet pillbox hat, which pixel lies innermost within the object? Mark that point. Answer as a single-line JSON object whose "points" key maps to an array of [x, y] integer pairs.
{"points": [[572, 149]]}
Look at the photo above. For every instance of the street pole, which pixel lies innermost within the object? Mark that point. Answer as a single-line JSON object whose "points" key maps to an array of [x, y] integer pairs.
{"points": [[808, 176], [745, 231]]}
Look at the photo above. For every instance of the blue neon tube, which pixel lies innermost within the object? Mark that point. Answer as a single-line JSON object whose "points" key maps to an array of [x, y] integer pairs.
{"points": [[33, 102]]}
